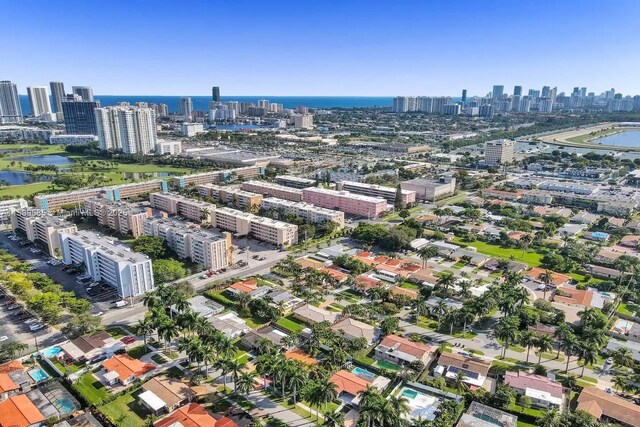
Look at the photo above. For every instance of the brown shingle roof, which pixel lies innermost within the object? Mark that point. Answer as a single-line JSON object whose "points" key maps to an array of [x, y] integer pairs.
{"points": [[472, 364], [171, 391], [611, 406]]}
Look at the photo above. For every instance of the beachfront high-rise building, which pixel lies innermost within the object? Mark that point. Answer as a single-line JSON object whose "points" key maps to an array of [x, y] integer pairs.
{"points": [[400, 104], [497, 92], [79, 116], [186, 107], [57, 92], [130, 129], [86, 92], [499, 152], [39, 101], [215, 94], [10, 109]]}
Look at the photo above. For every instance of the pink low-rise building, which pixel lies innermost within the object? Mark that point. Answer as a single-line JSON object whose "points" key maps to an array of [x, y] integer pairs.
{"points": [[543, 392], [355, 204]]}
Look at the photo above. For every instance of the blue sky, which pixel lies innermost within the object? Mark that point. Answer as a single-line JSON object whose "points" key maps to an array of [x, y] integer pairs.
{"points": [[352, 47]]}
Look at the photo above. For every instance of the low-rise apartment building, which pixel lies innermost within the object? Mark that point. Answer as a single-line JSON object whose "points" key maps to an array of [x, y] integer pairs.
{"points": [[295, 181], [373, 190], [265, 229], [355, 204], [310, 213], [273, 190], [176, 204], [431, 189], [226, 175], [106, 259], [51, 202], [207, 248], [231, 196], [119, 216], [7, 205], [41, 228]]}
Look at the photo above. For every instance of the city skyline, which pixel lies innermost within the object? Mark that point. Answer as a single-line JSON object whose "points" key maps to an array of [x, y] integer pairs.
{"points": [[323, 43]]}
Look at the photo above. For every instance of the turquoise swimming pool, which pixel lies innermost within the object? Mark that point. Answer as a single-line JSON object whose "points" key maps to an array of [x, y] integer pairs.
{"points": [[38, 375], [65, 405], [408, 393], [51, 352], [364, 374]]}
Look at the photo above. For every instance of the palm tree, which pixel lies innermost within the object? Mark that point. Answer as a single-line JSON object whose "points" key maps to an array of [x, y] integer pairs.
{"points": [[458, 381], [547, 278], [619, 382], [588, 353], [420, 422], [507, 331], [144, 327], [401, 408], [180, 303], [223, 364], [544, 344], [569, 344], [246, 382], [528, 340], [623, 356], [562, 330], [297, 380], [333, 419], [243, 299], [445, 281], [188, 321], [326, 390], [550, 418], [168, 330]]}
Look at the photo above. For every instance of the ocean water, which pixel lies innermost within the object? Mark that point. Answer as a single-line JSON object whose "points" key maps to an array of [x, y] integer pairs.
{"points": [[201, 102]]}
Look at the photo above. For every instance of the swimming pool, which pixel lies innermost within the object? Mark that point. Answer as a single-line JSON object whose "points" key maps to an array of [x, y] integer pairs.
{"points": [[65, 405], [51, 352], [38, 375], [364, 374], [421, 404]]}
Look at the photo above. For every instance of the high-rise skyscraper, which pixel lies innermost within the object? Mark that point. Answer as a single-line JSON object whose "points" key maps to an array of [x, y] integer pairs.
{"points": [[84, 91], [546, 92], [517, 91], [39, 100], [10, 109], [79, 116], [57, 91], [130, 129], [497, 92], [464, 96], [215, 94], [186, 107], [498, 152]]}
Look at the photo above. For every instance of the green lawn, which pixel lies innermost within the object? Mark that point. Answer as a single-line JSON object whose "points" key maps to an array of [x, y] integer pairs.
{"points": [[408, 285], [628, 309], [587, 137], [138, 352], [383, 364], [291, 324], [219, 297], [116, 332], [91, 389], [530, 257], [126, 411], [158, 359]]}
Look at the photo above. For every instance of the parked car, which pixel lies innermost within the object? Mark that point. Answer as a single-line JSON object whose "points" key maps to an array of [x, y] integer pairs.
{"points": [[4, 338], [128, 340], [36, 327]]}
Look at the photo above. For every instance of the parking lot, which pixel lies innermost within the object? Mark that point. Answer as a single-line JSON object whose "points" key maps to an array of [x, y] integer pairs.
{"points": [[16, 324]]}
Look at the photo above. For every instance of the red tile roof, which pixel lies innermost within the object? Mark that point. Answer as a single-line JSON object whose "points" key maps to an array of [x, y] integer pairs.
{"points": [[557, 279], [524, 381], [194, 415], [19, 411], [416, 349], [127, 367], [7, 384], [246, 286], [349, 382], [575, 296]]}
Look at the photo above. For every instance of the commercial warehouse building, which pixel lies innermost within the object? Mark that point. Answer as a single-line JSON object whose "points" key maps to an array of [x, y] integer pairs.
{"points": [[109, 261], [273, 190], [355, 204], [207, 248], [373, 190], [431, 189]]}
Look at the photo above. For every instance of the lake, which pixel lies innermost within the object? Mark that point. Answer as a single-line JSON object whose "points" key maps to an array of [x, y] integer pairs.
{"points": [[18, 178], [46, 159], [630, 138]]}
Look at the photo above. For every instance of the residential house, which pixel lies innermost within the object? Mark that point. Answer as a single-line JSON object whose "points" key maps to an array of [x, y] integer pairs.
{"points": [[90, 347], [402, 351], [630, 241], [248, 286], [229, 324], [349, 385], [479, 415], [194, 415], [284, 300], [541, 329], [475, 369], [584, 218], [7, 386], [203, 306], [270, 332], [353, 329], [18, 375], [589, 297], [311, 314], [399, 291], [542, 391], [19, 411], [300, 356], [608, 406], [80, 420], [603, 272], [433, 302], [124, 369], [162, 393], [536, 274], [596, 236], [472, 257]]}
